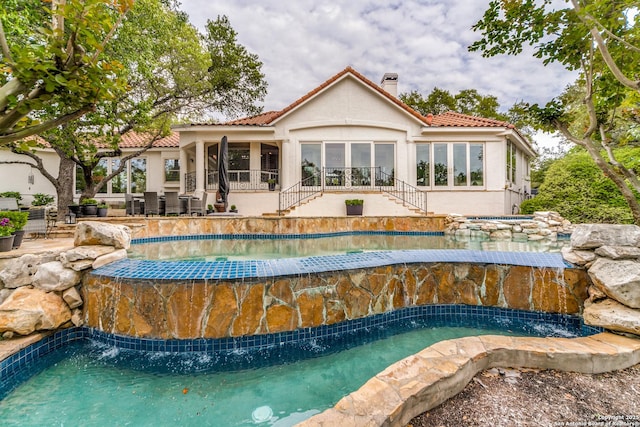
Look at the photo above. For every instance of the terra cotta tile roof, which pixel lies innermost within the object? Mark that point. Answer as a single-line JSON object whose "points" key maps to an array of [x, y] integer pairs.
{"points": [[453, 119], [132, 140]]}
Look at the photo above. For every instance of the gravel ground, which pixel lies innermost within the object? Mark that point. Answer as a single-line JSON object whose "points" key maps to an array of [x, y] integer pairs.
{"points": [[524, 397]]}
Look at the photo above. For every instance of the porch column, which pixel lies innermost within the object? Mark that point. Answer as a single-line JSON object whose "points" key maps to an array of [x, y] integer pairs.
{"points": [[289, 169], [184, 168], [200, 159]]}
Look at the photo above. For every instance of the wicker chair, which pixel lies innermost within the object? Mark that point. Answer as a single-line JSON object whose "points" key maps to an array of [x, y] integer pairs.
{"points": [[172, 203], [132, 205], [199, 205], [151, 203]]}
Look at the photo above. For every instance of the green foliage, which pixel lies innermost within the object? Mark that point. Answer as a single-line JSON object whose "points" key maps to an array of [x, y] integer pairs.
{"points": [[41, 199], [354, 202], [576, 188], [467, 101], [18, 219], [53, 70], [85, 202], [15, 194]]}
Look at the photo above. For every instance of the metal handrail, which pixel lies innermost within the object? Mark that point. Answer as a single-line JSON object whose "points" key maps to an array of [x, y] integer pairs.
{"points": [[406, 193], [250, 179], [303, 190]]}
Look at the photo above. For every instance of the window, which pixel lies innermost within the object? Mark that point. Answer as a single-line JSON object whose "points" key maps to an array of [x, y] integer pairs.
{"points": [[423, 165], [361, 164], [440, 165], [511, 162], [335, 163], [457, 164], [119, 182], [239, 166], [268, 162], [172, 170], [311, 159], [385, 164], [134, 172]]}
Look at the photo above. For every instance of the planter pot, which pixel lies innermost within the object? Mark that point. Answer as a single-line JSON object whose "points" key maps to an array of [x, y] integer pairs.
{"points": [[102, 212], [17, 238], [272, 186], [89, 210], [6, 243], [74, 209], [219, 207], [354, 210]]}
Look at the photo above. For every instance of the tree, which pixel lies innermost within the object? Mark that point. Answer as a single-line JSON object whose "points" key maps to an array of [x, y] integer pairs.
{"points": [[52, 67], [467, 101], [171, 70], [576, 188], [601, 39]]}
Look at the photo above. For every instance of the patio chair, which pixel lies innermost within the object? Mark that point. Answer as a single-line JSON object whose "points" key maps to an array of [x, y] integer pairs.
{"points": [[132, 205], [172, 203], [199, 205], [151, 203], [36, 223], [8, 204]]}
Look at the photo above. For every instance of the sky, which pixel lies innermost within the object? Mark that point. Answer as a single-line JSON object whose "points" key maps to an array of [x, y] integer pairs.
{"points": [[302, 43]]}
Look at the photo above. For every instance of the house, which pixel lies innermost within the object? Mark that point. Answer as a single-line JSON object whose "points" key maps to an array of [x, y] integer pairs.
{"points": [[349, 138]]}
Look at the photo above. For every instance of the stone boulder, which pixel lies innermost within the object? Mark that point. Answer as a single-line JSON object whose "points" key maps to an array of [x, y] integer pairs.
{"points": [[109, 258], [591, 236], [612, 315], [82, 257], [577, 257], [619, 279], [20, 271], [99, 233], [52, 276], [618, 252], [28, 310]]}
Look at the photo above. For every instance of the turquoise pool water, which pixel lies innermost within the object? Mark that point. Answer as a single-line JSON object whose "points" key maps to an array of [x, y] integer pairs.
{"points": [[261, 247], [91, 384]]}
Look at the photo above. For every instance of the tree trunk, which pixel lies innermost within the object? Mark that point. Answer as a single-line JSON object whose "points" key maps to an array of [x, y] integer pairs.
{"points": [[617, 179], [64, 185]]}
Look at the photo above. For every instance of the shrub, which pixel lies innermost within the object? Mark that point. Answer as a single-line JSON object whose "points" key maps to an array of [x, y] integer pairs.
{"points": [[89, 202], [354, 202], [18, 219]]}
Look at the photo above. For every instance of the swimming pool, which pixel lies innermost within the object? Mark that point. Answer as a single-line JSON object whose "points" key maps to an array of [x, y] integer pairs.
{"points": [[229, 247], [89, 381]]}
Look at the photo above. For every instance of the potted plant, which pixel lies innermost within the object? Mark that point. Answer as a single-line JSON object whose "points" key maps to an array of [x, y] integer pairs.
{"points": [[6, 236], [89, 207], [18, 221], [209, 209], [354, 206], [41, 199], [233, 209], [272, 184], [103, 209]]}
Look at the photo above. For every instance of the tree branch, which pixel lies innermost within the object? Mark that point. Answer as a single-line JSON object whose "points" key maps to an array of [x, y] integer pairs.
{"points": [[4, 45], [34, 130]]}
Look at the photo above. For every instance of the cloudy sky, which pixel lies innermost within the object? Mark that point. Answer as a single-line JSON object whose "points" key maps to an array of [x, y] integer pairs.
{"points": [[304, 42]]}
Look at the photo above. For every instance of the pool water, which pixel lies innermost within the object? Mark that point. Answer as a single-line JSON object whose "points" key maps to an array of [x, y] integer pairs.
{"points": [[91, 384], [261, 247]]}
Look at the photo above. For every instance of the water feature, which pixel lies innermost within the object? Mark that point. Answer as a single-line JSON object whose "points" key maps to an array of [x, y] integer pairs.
{"points": [[261, 246], [88, 383]]}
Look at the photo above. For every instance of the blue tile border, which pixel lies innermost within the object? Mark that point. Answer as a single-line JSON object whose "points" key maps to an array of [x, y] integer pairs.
{"points": [[224, 269], [289, 346], [255, 236]]}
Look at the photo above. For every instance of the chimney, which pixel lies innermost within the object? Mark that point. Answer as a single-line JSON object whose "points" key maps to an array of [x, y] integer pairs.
{"points": [[389, 83]]}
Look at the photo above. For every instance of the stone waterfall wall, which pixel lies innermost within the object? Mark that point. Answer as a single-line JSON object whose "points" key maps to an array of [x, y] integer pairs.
{"points": [[219, 309], [42, 292], [611, 254]]}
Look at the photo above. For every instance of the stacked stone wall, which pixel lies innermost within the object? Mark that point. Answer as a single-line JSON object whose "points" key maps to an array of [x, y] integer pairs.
{"points": [[219, 309], [611, 254]]}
